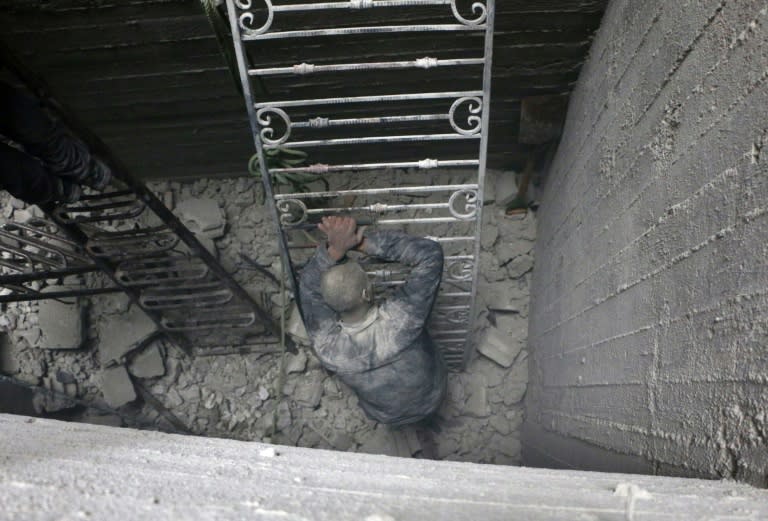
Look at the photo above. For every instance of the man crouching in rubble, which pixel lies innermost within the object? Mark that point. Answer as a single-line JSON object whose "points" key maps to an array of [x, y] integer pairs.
{"points": [[381, 350]]}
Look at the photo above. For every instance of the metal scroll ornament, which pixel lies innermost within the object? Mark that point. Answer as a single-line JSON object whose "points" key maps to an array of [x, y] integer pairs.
{"points": [[469, 209], [264, 118], [452, 316], [246, 19], [474, 120], [292, 212], [478, 9], [460, 270]]}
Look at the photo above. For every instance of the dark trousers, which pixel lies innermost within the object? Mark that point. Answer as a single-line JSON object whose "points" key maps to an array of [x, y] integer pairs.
{"points": [[49, 151]]}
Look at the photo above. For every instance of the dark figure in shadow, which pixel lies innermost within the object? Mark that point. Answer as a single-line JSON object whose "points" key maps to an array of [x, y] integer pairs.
{"points": [[40, 161]]}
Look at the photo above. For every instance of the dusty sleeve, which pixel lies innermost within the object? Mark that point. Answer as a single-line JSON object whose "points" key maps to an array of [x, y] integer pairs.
{"points": [[425, 258]]}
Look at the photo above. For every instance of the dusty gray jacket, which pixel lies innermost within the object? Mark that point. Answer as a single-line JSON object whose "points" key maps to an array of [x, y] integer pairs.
{"points": [[388, 360]]}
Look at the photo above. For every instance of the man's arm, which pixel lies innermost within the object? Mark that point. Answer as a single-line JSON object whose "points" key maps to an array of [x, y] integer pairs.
{"points": [[424, 257]]}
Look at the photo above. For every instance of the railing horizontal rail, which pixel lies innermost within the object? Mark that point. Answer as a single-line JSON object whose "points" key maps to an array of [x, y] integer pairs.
{"points": [[373, 139], [379, 29], [418, 63], [424, 164], [370, 99], [405, 190]]}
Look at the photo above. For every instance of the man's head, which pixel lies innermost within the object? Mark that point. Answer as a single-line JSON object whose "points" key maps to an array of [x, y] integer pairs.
{"points": [[346, 288]]}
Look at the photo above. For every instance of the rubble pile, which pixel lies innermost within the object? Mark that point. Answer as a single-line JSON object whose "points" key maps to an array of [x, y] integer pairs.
{"points": [[105, 350]]}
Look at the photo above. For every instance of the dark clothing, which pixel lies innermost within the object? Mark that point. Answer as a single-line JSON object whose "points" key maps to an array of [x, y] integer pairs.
{"points": [[49, 153], [389, 359]]}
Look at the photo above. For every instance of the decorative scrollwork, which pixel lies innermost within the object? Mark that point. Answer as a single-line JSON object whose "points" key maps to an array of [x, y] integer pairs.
{"points": [[453, 316], [292, 212], [470, 204], [264, 118], [460, 270], [479, 10], [474, 121], [246, 19]]}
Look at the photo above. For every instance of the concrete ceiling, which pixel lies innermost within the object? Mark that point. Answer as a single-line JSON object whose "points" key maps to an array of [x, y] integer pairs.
{"points": [[148, 76]]}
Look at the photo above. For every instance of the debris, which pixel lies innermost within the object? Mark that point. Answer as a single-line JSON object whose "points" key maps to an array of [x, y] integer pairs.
{"points": [[476, 404], [148, 363], [61, 323], [499, 347], [121, 333], [295, 327], [203, 217], [296, 363], [116, 386], [309, 393]]}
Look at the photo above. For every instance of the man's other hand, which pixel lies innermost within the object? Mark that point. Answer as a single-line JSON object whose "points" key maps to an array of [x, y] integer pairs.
{"points": [[342, 233]]}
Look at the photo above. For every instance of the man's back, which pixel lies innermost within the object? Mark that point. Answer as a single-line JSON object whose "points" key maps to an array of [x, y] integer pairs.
{"points": [[388, 358]]}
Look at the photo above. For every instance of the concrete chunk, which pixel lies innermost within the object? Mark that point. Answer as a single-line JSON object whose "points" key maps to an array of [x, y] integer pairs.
{"points": [[499, 347], [203, 217], [116, 386], [121, 333], [61, 323], [148, 363]]}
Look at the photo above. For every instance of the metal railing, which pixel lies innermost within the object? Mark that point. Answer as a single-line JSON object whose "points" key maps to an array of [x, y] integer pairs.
{"points": [[449, 126]]}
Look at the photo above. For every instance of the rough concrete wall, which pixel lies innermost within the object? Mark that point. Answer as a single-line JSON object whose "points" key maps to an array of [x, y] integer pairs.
{"points": [[55, 470], [649, 319]]}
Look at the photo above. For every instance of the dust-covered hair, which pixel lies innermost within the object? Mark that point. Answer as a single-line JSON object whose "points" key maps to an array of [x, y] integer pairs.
{"points": [[343, 285]]}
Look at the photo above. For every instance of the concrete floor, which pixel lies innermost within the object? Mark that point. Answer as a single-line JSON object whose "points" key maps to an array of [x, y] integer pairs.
{"points": [[57, 470]]}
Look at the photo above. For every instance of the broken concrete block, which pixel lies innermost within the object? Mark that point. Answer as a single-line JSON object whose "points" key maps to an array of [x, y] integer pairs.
{"points": [[309, 393], [203, 217], [22, 216], [61, 323], [295, 327], [116, 386], [476, 404], [148, 363], [500, 347], [121, 333], [505, 188], [296, 363]]}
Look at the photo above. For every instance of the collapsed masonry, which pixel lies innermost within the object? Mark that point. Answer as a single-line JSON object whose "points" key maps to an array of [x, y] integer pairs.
{"points": [[101, 349]]}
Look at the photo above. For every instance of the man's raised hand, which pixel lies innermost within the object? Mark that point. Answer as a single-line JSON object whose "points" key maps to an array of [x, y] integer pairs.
{"points": [[342, 233]]}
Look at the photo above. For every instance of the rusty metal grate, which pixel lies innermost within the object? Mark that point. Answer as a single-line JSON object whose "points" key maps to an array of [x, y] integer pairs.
{"points": [[419, 105]]}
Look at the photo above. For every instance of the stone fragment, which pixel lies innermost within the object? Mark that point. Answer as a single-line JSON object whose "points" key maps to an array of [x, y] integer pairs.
{"points": [[295, 327], [516, 382], [7, 211], [148, 363], [488, 236], [446, 446], [116, 386], [499, 347], [17, 204], [379, 441], [476, 404], [296, 363], [22, 216], [501, 424], [520, 266], [202, 216], [121, 333], [507, 250], [61, 323], [505, 188], [309, 393]]}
